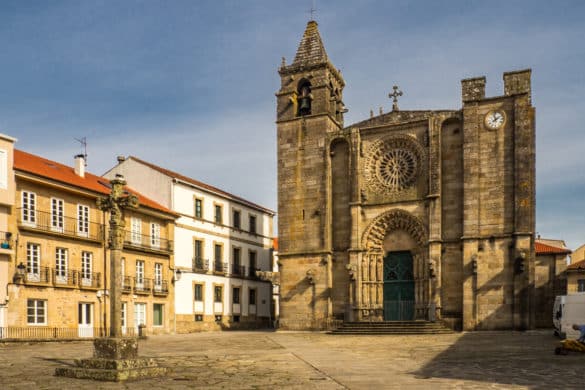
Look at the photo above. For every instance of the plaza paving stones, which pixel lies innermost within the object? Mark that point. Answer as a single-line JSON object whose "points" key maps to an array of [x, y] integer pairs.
{"points": [[268, 360]]}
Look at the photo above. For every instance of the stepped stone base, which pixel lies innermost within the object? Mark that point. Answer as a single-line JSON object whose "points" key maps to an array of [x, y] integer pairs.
{"points": [[391, 327], [115, 359]]}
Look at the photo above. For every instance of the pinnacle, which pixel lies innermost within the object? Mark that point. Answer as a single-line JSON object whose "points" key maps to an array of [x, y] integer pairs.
{"points": [[311, 50]]}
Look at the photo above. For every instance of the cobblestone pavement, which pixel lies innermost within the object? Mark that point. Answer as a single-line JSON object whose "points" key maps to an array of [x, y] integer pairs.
{"points": [[253, 360]]}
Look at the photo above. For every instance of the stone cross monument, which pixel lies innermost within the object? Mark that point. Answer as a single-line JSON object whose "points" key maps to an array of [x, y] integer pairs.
{"points": [[115, 358], [115, 203]]}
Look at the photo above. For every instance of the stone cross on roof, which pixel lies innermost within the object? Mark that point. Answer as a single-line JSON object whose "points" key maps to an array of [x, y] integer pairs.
{"points": [[394, 96]]}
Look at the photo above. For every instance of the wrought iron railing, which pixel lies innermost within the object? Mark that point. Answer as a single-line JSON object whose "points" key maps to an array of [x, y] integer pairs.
{"points": [[238, 270], [68, 226], [39, 332], [90, 279], [6, 240], [69, 278], [160, 288], [142, 285], [127, 284], [252, 273], [200, 266], [41, 275], [64, 277], [220, 267], [147, 242]]}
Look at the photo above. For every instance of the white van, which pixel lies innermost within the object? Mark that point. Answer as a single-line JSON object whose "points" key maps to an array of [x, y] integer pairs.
{"points": [[568, 310]]}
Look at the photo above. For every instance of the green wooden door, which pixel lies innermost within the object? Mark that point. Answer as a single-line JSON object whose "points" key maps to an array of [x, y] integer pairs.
{"points": [[398, 287]]}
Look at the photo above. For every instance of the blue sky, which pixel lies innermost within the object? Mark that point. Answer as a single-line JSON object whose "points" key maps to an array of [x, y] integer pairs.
{"points": [[190, 85]]}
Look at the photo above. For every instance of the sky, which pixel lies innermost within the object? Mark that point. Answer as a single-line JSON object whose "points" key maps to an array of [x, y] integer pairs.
{"points": [[189, 85]]}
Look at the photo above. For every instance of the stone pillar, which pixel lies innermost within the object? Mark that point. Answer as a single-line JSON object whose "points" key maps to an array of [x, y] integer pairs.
{"points": [[472, 89], [115, 204]]}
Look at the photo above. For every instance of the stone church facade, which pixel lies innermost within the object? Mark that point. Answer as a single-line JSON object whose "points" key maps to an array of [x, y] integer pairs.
{"points": [[408, 215]]}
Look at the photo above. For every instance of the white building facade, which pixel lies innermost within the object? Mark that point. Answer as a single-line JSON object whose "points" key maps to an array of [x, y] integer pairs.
{"points": [[220, 241]]}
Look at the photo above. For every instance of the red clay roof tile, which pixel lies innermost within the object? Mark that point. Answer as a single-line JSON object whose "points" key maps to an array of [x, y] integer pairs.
{"points": [[39, 166]]}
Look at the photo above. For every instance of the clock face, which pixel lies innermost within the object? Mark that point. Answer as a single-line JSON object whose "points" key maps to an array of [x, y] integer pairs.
{"points": [[495, 119]]}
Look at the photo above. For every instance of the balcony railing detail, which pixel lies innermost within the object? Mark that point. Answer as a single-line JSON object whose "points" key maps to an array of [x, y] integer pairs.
{"points": [[142, 285], [41, 276], [127, 284], [68, 226], [147, 242], [220, 267], [238, 270], [200, 266], [160, 288], [69, 278]]}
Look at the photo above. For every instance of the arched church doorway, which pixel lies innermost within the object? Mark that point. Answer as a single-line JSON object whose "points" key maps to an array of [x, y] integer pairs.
{"points": [[399, 296]]}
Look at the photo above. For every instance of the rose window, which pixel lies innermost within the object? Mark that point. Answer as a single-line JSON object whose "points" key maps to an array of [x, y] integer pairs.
{"points": [[393, 164], [397, 168]]}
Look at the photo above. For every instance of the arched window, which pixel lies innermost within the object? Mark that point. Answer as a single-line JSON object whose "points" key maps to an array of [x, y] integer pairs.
{"points": [[305, 98]]}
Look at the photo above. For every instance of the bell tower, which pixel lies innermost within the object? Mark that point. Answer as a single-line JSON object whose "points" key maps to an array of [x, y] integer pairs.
{"points": [[309, 106]]}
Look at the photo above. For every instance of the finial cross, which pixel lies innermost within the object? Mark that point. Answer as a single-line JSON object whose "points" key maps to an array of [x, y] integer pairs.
{"points": [[394, 96], [313, 10]]}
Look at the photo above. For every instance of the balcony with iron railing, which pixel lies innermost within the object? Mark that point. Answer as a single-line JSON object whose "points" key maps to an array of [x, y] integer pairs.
{"points": [[160, 288], [46, 276], [238, 270], [42, 221], [127, 284], [200, 266], [142, 286], [220, 268], [144, 242]]}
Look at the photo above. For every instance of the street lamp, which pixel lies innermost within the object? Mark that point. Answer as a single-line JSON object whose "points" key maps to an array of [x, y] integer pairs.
{"points": [[20, 272]]}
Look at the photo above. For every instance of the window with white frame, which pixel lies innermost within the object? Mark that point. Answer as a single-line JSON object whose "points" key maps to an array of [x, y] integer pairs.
{"points": [[581, 285], [82, 220], [86, 264], [29, 208], [36, 312], [33, 261], [3, 169], [57, 214], [158, 276], [140, 273], [61, 264], [139, 314], [155, 235], [136, 230]]}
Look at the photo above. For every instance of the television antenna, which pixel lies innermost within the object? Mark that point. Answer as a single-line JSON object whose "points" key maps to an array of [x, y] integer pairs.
{"points": [[83, 144]]}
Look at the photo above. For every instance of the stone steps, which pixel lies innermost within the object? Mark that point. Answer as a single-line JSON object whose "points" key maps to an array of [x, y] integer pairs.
{"points": [[391, 327]]}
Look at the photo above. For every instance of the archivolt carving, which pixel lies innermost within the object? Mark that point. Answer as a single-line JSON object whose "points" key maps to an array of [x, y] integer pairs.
{"points": [[394, 164], [390, 221]]}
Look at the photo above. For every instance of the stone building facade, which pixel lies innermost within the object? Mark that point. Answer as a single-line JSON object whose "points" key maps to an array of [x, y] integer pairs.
{"points": [[59, 274], [406, 215]]}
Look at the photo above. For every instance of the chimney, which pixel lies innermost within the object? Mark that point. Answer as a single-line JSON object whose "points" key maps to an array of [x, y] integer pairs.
{"points": [[80, 165]]}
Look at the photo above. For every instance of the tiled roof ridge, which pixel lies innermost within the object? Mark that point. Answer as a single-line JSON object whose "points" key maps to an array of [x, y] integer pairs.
{"points": [[580, 265], [90, 181], [311, 49], [547, 248], [201, 184]]}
